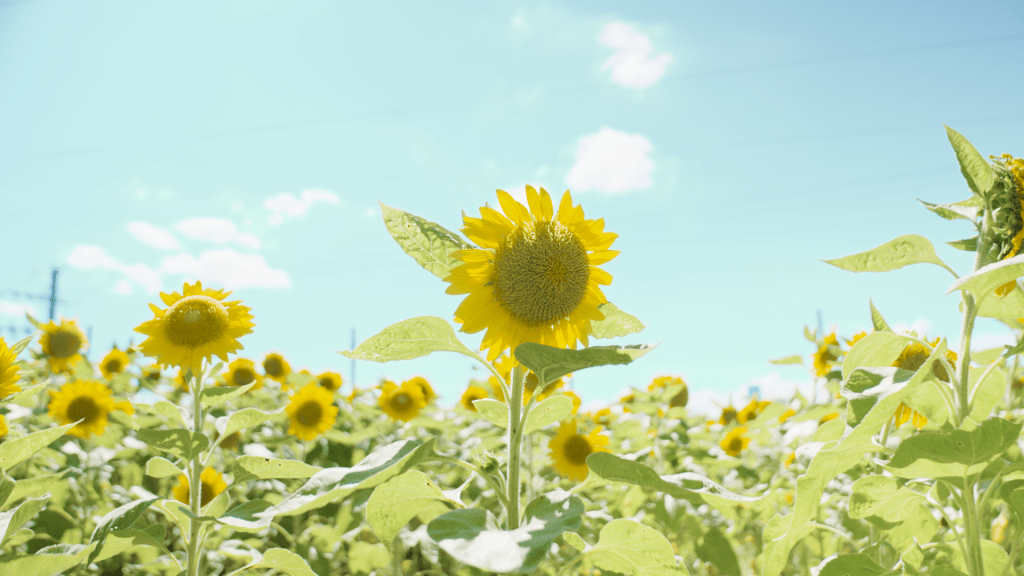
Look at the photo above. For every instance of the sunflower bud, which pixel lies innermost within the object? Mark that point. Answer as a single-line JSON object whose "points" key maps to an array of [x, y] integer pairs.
{"points": [[998, 531]]}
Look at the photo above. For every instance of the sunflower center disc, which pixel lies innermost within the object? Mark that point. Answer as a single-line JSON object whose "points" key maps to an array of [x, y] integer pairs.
{"points": [[207, 493], [64, 343], [327, 383], [735, 444], [401, 400], [914, 356], [310, 414], [540, 273], [83, 408], [577, 448], [113, 366], [244, 376], [272, 366], [195, 320]]}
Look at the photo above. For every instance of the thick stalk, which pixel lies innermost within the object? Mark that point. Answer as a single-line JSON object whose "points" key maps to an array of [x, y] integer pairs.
{"points": [[515, 439], [973, 525], [963, 386], [195, 483]]}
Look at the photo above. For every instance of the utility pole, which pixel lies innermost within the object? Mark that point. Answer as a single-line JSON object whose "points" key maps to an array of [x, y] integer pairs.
{"points": [[53, 294]]}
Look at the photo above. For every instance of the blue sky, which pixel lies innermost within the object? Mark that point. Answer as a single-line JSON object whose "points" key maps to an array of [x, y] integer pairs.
{"points": [[730, 145]]}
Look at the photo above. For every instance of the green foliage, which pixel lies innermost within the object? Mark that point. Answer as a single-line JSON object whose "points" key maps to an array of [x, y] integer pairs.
{"points": [[550, 363], [256, 467], [395, 502], [181, 443], [973, 165], [431, 245], [894, 254], [16, 451], [956, 454], [279, 559], [628, 547], [409, 339], [616, 323]]}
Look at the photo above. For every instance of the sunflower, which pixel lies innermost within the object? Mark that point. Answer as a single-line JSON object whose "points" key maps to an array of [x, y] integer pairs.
{"points": [[735, 441], [329, 380], [827, 354], [729, 414], [1010, 172], [85, 400], [535, 277], [212, 484], [424, 386], [748, 413], [680, 399], [63, 344], [569, 450], [3, 427], [603, 417], [196, 325], [790, 459], [787, 415], [152, 373], [856, 337], [401, 403], [311, 411], [113, 363], [904, 413], [472, 393], [241, 372], [180, 380], [576, 400], [8, 371], [276, 367], [914, 356]]}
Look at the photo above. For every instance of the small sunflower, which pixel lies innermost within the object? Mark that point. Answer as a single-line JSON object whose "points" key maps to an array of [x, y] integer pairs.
{"points": [[904, 413], [914, 356], [569, 450], [63, 344], [680, 399], [3, 427], [276, 367], [212, 484], [401, 403], [603, 417], [8, 371], [113, 363], [424, 386], [535, 277], [1008, 197], [329, 380], [241, 372], [196, 326], [729, 415], [472, 393], [826, 355], [311, 411], [748, 413], [152, 373], [735, 441], [85, 400]]}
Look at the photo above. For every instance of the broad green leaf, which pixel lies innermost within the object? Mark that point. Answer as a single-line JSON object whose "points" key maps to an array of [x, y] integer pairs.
{"points": [[903, 511], [573, 539], [973, 165], [6, 487], [472, 536], [409, 339], [38, 485], [14, 452], [245, 517], [547, 411], [494, 411], [794, 359], [989, 356], [430, 244], [852, 565], [120, 518], [256, 467], [877, 320], [1009, 307], [628, 547], [395, 502], [983, 282], [874, 350], [48, 561], [120, 541], [177, 415], [985, 395], [158, 467], [993, 558], [28, 397], [16, 517], [616, 323], [952, 211], [182, 443], [1013, 494], [953, 454], [20, 345], [215, 396], [244, 418], [894, 254], [967, 244], [279, 559], [716, 549], [550, 363], [367, 558]]}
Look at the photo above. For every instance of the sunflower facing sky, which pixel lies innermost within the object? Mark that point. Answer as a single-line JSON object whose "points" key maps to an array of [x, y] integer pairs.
{"points": [[113, 363], [276, 367], [196, 326], [535, 277], [735, 441], [85, 400], [63, 344], [329, 380], [472, 393], [311, 411], [401, 402], [212, 483], [8, 370], [569, 450]]}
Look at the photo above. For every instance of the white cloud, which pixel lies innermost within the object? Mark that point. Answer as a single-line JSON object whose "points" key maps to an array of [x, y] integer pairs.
{"points": [[633, 63], [920, 326], [14, 309], [287, 205], [986, 341], [611, 161], [153, 235], [218, 230], [89, 257], [124, 288], [228, 268]]}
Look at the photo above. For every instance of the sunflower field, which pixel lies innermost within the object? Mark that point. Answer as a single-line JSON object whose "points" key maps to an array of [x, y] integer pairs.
{"points": [[180, 455]]}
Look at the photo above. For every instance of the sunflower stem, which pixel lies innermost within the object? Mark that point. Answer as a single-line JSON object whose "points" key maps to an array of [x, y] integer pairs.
{"points": [[515, 435], [195, 482]]}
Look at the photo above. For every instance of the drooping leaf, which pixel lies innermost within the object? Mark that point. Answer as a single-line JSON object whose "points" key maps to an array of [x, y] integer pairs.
{"points": [[494, 411], [182, 443], [178, 416], [628, 547], [257, 467], [973, 165], [852, 565], [875, 350], [245, 517], [616, 323], [119, 541], [244, 418], [430, 244], [953, 454], [952, 211], [395, 502], [14, 452], [409, 339], [982, 283], [120, 518], [158, 467], [215, 396], [16, 517], [48, 561], [550, 363], [894, 254]]}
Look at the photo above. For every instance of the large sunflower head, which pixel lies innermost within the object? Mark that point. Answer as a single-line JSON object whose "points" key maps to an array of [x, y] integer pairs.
{"points": [[197, 325], [472, 393], [113, 363], [735, 441], [8, 370], [329, 380], [1007, 199], [212, 484], [535, 277], [88, 401], [401, 403], [424, 386], [569, 450], [63, 344], [311, 411], [241, 372], [276, 367], [914, 356]]}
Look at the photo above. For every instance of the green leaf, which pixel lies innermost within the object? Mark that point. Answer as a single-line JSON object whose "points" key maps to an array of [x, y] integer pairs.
{"points": [[550, 363], [794, 359], [245, 516], [852, 565], [985, 395], [215, 396], [952, 211], [16, 517], [158, 467], [278, 559], [877, 320], [1012, 493], [628, 547], [1009, 307], [546, 412], [244, 418], [123, 540], [473, 537], [493, 411], [182, 443], [7, 485], [256, 467], [430, 244], [573, 539], [121, 518], [973, 166], [409, 339], [20, 345], [983, 282], [395, 502], [178, 416], [897, 253], [616, 323], [967, 244], [875, 350], [48, 561], [14, 452], [953, 454], [716, 549], [902, 510], [993, 558]]}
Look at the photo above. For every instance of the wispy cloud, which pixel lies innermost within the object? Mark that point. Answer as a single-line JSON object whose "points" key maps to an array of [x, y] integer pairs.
{"points": [[153, 235], [633, 64], [15, 309], [228, 268], [216, 230], [611, 161], [287, 205], [88, 257]]}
